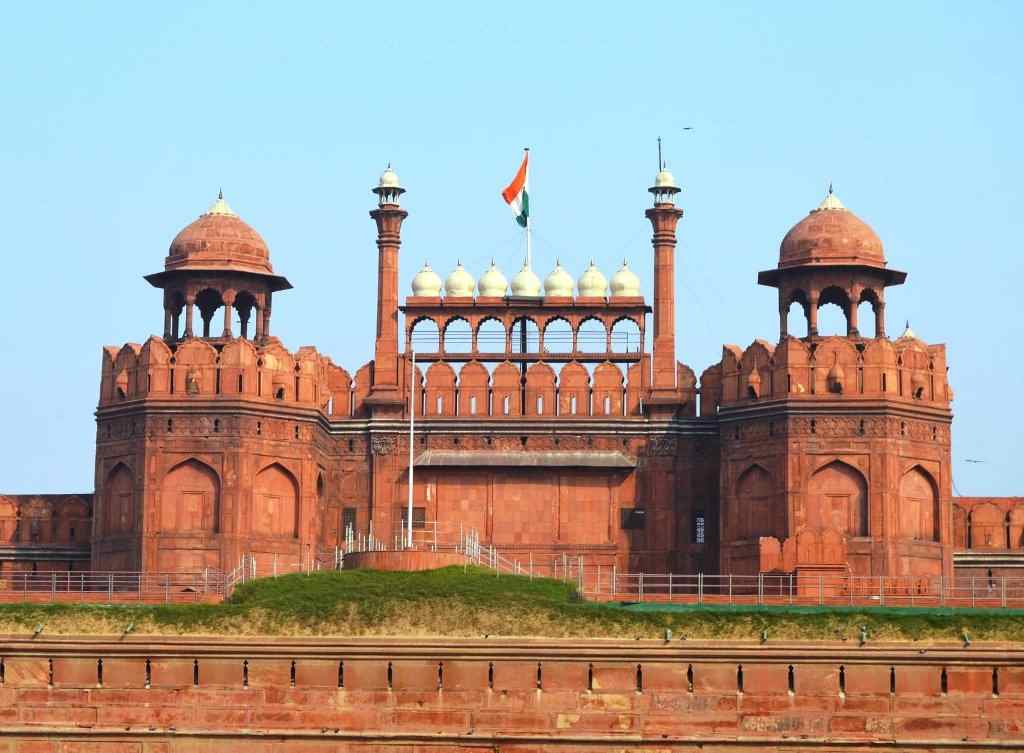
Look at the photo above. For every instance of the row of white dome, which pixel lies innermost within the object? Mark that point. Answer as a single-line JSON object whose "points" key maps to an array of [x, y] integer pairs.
{"points": [[558, 284]]}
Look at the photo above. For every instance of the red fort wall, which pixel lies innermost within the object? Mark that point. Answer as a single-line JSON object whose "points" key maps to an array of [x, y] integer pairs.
{"points": [[194, 695]]}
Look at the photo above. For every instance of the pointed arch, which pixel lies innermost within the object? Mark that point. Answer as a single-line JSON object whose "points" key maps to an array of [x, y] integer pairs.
{"points": [[490, 335], [558, 336], [754, 514], [837, 498], [919, 507], [190, 499], [117, 515], [276, 503]]}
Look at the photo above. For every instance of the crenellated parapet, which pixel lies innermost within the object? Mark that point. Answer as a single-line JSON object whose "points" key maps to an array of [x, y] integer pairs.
{"points": [[238, 369], [830, 368]]}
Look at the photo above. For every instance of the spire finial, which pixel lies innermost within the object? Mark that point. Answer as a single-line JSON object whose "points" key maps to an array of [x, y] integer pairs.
{"points": [[661, 164], [830, 188], [220, 194]]}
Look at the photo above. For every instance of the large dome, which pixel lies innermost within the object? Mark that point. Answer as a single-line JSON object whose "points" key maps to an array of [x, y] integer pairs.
{"points": [[831, 234], [219, 240]]}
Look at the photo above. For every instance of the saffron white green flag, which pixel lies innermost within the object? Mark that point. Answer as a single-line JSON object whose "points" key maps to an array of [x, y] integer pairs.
{"points": [[517, 194]]}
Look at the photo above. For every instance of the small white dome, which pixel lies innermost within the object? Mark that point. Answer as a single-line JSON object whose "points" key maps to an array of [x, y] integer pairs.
{"points": [[908, 333], [492, 283], [664, 179], [389, 179], [625, 283], [220, 206], [831, 201], [559, 283], [526, 283], [460, 283], [592, 284], [426, 282]]}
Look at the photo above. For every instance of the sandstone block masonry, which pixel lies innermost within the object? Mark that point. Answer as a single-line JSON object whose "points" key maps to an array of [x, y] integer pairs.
{"points": [[306, 695]]}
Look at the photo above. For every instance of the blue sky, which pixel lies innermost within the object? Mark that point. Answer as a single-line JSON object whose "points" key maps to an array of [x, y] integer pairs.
{"points": [[122, 121]]}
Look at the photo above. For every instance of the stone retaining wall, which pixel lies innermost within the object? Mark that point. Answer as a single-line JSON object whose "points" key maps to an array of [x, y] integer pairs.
{"points": [[190, 695]]}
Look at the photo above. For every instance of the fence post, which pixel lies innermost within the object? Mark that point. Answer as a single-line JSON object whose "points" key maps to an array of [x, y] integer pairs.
{"points": [[972, 590], [821, 593], [700, 588], [881, 590], [615, 580], [640, 587], [110, 588], [942, 591], [670, 586], [53, 586], [167, 590], [760, 589], [1003, 590], [730, 588]]}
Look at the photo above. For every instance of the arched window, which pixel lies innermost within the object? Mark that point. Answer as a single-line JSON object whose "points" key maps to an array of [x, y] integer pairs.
{"points": [[591, 337], [558, 336], [919, 509], [525, 336], [425, 337], [626, 336], [833, 303], [458, 336], [490, 336]]}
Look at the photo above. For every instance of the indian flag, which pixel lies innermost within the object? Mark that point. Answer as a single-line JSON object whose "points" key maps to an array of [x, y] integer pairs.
{"points": [[517, 194]]}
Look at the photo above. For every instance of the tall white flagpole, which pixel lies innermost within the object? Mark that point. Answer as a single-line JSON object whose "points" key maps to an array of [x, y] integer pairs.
{"points": [[529, 243], [412, 424]]}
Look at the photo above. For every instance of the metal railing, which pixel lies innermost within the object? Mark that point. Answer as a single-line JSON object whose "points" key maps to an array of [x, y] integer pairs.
{"points": [[113, 587]]}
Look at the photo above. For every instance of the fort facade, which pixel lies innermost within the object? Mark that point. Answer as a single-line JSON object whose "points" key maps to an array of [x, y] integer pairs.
{"points": [[543, 421]]}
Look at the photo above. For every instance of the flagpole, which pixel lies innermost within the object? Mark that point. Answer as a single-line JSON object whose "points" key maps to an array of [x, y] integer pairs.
{"points": [[529, 237], [412, 424]]}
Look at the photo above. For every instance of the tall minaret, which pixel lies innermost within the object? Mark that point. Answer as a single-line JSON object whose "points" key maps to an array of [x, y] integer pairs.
{"points": [[664, 216], [384, 392]]}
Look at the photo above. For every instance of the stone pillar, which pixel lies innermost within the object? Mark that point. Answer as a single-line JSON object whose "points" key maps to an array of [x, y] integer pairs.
{"points": [[190, 304], [167, 324], [851, 321], [664, 217], [229, 302], [880, 319], [259, 323], [783, 323], [812, 317], [266, 317]]}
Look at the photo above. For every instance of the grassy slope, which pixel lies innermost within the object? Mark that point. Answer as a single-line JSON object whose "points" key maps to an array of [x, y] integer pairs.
{"points": [[451, 602]]}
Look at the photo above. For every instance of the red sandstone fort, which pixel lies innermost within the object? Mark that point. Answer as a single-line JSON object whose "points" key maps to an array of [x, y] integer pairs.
{"points": [[543, 422]]}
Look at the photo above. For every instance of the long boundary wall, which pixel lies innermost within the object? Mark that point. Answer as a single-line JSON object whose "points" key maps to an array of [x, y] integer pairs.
{"points": [[175, 695]]}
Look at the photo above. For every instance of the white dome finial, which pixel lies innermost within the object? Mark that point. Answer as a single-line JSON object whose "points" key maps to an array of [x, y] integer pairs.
{"points": [[460, 283], [559, 283], [625, 284], [220, 206], [426, 283], [526, 284], [492, 282], [592, 284]]}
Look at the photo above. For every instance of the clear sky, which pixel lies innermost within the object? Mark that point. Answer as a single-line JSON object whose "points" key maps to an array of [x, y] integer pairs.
{"points": [[120, 122]]}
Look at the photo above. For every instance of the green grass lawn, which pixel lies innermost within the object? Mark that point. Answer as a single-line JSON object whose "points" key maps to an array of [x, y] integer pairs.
{"points": [[473, 603]]}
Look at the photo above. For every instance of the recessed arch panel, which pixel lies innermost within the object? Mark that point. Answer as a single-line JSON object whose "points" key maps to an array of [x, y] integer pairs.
{"points": [[276, 503], [837, 498]]}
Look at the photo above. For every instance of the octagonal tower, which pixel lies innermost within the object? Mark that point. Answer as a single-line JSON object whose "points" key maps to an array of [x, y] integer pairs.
{"points": [[835, 449]]}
